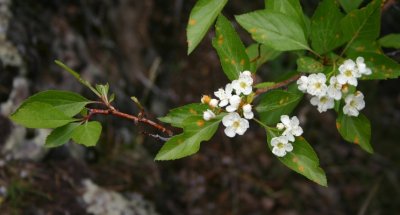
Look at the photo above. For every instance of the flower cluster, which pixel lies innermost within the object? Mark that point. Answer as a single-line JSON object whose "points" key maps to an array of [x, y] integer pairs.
{"points": [[324, 95], [234, 99], [290, 127]]}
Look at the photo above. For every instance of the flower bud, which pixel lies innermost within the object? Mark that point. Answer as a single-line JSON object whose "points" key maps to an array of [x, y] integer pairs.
{"points": [[205, 99]]}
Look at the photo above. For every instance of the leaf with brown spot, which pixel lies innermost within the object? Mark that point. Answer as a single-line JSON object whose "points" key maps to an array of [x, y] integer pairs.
{"points": [[356, 130], [176, 116]]}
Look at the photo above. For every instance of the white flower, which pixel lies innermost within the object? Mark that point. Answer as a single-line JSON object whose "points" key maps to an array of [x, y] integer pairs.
{"points": [[354, 103], [224, 95], [234, 124], [334, 89], [291, 126], [302, 83], [243, 84], [348, 73], [362, 68], [281, 146], [208, 114], [247, 113], [234, 102], [316, 84], [323, 103], [213, 102]]}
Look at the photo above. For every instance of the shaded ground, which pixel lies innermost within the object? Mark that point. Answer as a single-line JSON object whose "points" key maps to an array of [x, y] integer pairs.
{"points": [[139, 48]]}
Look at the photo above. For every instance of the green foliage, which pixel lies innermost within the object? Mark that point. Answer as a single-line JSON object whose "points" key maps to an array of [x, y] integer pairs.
{"points": [[309, 65], [349, 5], [363, 23], [201, 18], [177, 116], [326, 32], [67, 102], [390, 41], [40, 115], [382, 66], [195, 130], [291, 8], [276, 103], [230, 49], [87, 133], [361, 47], [259, 54], [274, 29], [355, 130], [302, 159], [61, 135]]}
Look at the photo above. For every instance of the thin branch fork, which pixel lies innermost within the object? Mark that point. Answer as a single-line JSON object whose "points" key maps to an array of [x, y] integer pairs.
{"points": [[113, 111], [279, 84]]}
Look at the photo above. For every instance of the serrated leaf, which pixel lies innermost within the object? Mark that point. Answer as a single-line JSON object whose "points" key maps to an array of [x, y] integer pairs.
{"points": [[350, 5], [326, 33], [67, 102], [275, 103], [274, 29], [195, 131], [362, 24], [290, 8], [40, 115], [359, 47], [230, 49], [309, 65], [390, 41], [302, 159], [176, 116], [60, 135], [259, 54], [87, 134], [201, 18], [355, 130], [382, 67]]}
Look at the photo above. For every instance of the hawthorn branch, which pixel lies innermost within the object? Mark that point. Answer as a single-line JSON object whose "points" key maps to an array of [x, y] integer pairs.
{"points": [[115, 112], [279, 84]]}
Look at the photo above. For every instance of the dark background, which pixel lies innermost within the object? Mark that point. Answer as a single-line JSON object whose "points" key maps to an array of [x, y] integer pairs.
{"points": [[139, 48]]}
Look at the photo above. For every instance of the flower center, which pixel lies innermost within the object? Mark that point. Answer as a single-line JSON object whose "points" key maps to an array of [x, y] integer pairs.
{"points": [[317, 85], [348, 73], [280, 145], [243, 85], [323, 99], [353, 103], [236, 124]]}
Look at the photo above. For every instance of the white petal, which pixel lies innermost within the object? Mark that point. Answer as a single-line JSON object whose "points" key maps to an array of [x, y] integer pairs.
{"points": [[223, 102], [231, 108], [294, 121], [230, 132], [341, 79], [280, 126], [314, 100], [228, 119], [297, 131], [285, 120], [213, 103], [279, 152], [248, 90], [274, 141], [288, 147], [246, 108], [248, 115]]}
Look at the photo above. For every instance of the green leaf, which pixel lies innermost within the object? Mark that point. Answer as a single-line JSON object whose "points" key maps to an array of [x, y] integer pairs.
{"points": [[201, 17], [363, 23], [67, 102], [40, 115], [390, 41], [326, 33], [350, 5], [274, 29], [230, 49], [60, 135], [195, 131], [176, 116], [77, 76], [359, 47], [290, 8], [382, 66], [275, 103], [302, 159], [355, 130], [259, 54], [264, 85], [309, 65], [87, 134]]}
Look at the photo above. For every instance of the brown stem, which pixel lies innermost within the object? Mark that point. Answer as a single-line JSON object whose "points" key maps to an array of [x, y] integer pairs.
{"points": [[113, 111], [279, 84]]}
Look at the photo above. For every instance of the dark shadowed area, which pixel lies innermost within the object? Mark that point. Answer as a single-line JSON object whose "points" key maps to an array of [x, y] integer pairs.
{"points": [[139, 48]]}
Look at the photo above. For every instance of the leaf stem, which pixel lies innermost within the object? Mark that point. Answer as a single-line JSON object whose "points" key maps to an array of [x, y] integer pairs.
{"points": [[279, 84], [261, 123], [315, 53]]}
